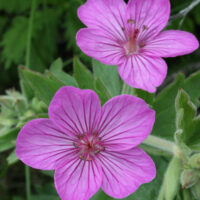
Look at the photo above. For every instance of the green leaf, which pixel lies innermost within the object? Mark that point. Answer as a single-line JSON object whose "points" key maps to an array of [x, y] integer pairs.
{"points": [[7, 141], [56, 72], [86, 80], [83, 76], [25, 87], [100, 195], [187, 120], [148, 97], [109, 77], [72, 24], [45, 37], [14, 41], [164, 104], [102, 91], [14, 6], [43, 87], [12, 158]]}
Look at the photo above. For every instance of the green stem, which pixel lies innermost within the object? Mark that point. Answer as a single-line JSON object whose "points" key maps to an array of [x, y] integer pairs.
{"points": [[27, 64], [30, 28], [160, 144], [28, 183]]}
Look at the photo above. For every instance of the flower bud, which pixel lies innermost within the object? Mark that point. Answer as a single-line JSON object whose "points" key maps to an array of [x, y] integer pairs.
{"points": [[172, 177], [195, 161], [188, 178]]}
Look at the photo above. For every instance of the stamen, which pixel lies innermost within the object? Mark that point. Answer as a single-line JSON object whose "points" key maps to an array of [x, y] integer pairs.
{"points": [[80, 136], [81, 157], [75, 145], [97, 151], [88, 146], [144, 27], [142, 44], [95, 133], [123, 29], [136, 32], [131, 21]]}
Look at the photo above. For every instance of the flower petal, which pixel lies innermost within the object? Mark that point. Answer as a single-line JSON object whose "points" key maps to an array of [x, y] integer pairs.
{"points": [[75, 111], [125, 122], [171, 44], [41, 145], [78, 179], [143, 72], [124, 172], [105, 15], [96, 44], [150, 16]]}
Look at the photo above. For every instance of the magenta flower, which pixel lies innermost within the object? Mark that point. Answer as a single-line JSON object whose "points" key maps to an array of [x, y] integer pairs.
{"points": [[129, 36], [88, 146]]}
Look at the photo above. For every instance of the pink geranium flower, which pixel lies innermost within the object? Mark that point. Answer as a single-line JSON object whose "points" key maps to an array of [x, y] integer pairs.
{"points": [[88, 146], [129, 36]]}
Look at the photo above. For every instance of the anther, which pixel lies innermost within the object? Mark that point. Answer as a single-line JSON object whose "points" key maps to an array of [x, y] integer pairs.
{"points": [[144, 27], [123, 29], [131, 21], [75, 145], [142, 44], [80, 136], [82, 157], [136, 32], [95, 133], [97, 151]]}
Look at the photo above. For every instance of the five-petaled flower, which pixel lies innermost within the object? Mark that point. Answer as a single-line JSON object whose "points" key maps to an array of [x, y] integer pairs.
{"points": [[88, 146], [128, 35]]}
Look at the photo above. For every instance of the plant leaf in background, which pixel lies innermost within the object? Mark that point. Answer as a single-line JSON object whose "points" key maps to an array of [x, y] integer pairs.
{"points": [[43, 87], [86, 80], [54, 29], [109, 77], [165, 106], [56, 71], [188, 121]]}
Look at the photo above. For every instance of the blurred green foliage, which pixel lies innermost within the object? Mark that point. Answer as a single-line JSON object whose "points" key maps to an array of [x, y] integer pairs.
{"points": [[26, 93]]}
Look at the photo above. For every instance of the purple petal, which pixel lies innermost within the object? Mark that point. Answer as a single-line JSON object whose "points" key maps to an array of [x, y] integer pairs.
{"points": [[105, 15], [75, 111], [78, 179], [124, 172], [143, 72], [151, 14], [171, 44], [96, 44], [41, 145], [125, 122]]}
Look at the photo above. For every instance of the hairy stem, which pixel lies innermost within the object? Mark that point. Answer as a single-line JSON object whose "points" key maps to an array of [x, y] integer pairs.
{"points": [[29, 37], [183, 13], [161, 144], [27, 64]]}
